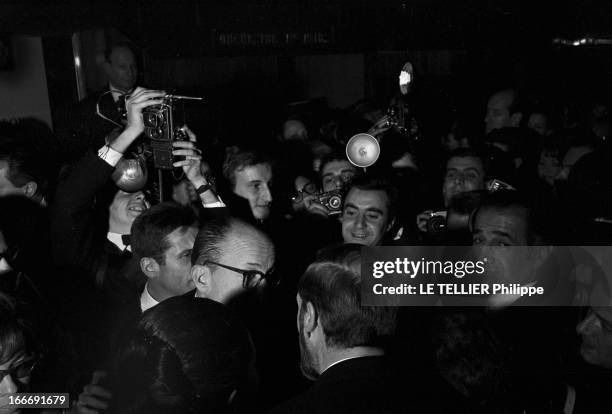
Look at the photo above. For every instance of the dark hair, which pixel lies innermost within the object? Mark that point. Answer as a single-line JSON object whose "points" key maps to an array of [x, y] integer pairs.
{"points": [[150, 229], [537, 221], [332, 156], [470, 356], [378, 183], [187, 354], [111, 46], [15, 335], [332, 284], [552, 147], [237, 158], [25, 147], [470, 153], [26, 232]]}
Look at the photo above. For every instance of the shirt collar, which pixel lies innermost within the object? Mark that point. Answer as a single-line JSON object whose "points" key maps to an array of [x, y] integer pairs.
{"points": [[339, 361], [115, 238], [146, 300], [117, 92]]}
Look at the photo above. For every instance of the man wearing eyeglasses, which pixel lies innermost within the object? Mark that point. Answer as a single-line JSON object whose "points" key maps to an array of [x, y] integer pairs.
{"points": [[229, 258]]}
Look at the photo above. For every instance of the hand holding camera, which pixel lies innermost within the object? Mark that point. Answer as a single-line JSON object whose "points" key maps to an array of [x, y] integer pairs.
{"points": [[323, 204], [313, 205], [95, 398], [139, 100], [432, 222], [187, 156]]}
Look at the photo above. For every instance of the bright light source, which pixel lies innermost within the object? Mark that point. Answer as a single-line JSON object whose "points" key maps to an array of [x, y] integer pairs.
{"points": [[404, 78]]}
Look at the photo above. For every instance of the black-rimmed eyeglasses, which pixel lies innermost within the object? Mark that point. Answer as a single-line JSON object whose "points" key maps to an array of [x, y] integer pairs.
{"points": [[20, 371], [250, 278]]}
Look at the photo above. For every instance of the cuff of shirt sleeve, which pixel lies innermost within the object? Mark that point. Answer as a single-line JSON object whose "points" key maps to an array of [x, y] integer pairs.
{"points": [[109, 155], [217, 204]]}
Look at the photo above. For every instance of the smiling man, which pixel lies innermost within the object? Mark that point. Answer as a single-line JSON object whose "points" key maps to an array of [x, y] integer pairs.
{"points": [[92, 236], [249, 174], [369, 211]]}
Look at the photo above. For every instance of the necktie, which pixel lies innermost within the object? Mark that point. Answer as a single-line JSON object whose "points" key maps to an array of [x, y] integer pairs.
{"points": [[126, 239], [121, 109]]}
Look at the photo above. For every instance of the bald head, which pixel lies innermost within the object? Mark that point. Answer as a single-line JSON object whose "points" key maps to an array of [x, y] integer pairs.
{"points": [[120, 67], [503, 111], [229, 257]]}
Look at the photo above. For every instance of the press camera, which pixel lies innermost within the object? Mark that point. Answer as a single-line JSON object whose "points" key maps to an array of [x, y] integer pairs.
{"points": [[436, 223], [332, 200], [162, 131]]}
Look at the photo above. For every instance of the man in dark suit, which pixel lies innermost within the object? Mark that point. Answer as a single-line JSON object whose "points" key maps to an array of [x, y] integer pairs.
{"points": [[85, 130], [341, 342]]}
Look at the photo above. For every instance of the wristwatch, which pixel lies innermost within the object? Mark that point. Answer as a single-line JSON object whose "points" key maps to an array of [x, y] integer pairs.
{"points": [[203, 188]]}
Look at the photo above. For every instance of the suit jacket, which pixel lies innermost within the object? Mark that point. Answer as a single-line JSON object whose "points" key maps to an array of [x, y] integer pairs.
{"points": [[97, 267], [80, 129], [359, 385]]}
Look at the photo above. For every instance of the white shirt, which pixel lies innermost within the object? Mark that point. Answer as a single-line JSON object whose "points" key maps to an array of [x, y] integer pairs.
{"points": [[339, 361], [146, 300], [112, 157], [115, 238]]}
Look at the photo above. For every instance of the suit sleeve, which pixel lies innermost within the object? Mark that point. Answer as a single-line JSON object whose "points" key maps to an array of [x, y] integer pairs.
{"points": [[73, 219]]}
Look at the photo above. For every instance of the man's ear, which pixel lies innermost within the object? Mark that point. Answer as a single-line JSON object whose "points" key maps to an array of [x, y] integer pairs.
{"points": [[30, 189], [202, 279], [149, 267], [515, 119], [309, 318]]}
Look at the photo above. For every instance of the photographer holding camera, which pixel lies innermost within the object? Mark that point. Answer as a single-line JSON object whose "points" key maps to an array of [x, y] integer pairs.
{"points": [[91, 228], [335, 174], [465, 171]]}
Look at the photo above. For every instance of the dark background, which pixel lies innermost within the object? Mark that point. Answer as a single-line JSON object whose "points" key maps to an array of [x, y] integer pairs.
{"points": [[482, 44]]}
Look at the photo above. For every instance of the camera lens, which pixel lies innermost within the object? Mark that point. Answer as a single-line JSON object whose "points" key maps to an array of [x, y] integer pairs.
{"points": [[436, 225], [155, 133], [335, 202], [150, 119]]}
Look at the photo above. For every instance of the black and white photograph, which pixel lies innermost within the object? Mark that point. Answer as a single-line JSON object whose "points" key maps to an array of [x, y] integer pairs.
{"points": [[306, 206]]}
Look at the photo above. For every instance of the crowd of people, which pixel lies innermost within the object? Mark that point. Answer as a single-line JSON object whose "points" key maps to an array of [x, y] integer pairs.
{"points": [[133, 300]]}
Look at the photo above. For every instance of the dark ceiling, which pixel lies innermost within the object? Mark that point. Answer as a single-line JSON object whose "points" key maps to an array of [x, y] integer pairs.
{"points": [[186, 25]]}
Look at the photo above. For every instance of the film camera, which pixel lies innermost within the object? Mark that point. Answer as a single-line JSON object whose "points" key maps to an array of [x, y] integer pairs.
{"points": [[436, 223], [160, 128], [332, 200]]}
